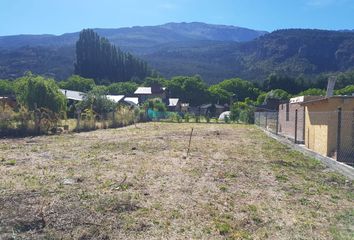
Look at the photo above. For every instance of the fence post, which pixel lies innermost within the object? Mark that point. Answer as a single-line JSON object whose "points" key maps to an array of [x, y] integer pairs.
{"points": [[339, 126], [277, 123], [78, 120], [303, 125], [266, 120], [295, 135]]}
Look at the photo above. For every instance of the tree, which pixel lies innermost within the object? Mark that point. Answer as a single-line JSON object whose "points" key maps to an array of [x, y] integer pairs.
{"points": [[243, 111], [150, 81], [277, 94], [6, 87], [97, 58], [192, 90], [36, 92], [77, 83], [97, 101], [348, 90], [313, 92], [122, 88], [236, 88]]}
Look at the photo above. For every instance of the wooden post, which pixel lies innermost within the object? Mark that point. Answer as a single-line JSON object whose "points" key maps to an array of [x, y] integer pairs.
{"points": [[78, 120], [266, 120], [295, 133], [190, 140], [339, 126]]}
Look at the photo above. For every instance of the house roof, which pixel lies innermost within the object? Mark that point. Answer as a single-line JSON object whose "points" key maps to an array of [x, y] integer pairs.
{"points": [[172, 102], [73, 95], [115, 98], [209, 105], [132, 100], [326, 99], [301, 99], [145, 90]]}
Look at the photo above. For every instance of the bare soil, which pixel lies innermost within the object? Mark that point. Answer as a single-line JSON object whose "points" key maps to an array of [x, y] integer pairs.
{"points": [[138, 183]]}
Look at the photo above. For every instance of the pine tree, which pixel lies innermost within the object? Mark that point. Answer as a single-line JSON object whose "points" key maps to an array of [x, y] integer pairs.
{"points": [[97, 58]]}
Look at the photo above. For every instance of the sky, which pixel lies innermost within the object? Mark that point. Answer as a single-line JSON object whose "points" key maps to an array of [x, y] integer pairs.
{"points": [[63, 16]]}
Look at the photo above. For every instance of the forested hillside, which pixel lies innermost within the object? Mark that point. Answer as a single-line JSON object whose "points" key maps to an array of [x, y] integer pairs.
{"points": [[215, 52]]}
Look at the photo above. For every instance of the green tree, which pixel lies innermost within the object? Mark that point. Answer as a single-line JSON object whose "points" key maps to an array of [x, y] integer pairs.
{"points": [[236, 88], [38, 92], [77, 83], [277, 94], [122, 88], [189, 89], [313, 92], [97, 101], [149, 81], [97, 58], [243, 111], [6, 87], [348, 90]]}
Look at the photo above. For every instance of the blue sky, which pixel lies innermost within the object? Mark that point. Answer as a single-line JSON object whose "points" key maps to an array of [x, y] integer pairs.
{"points": [[61, 16]]}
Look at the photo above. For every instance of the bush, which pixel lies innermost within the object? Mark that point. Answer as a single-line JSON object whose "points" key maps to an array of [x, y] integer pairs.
{"points": [[186, 117], [197, 119], [226, 119]]}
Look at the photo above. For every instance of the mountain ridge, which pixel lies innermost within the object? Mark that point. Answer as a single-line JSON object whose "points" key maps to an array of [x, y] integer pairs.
{"points": [[191, 48]]}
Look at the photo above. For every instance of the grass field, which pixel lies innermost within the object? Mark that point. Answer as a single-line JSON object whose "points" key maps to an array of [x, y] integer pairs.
{"points": [[137, 183]]}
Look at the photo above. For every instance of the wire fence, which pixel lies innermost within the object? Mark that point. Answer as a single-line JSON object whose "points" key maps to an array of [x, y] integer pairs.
{"points": [[329, 133]]}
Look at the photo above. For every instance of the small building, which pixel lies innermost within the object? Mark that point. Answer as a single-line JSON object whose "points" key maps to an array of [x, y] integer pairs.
{"points": [[184, 107], [9, 100], [73, 95], [291, 117], [133, 101], [213, 110], [155, 91], [115, 98], [174, 105], [270, 105], [323, 118]]}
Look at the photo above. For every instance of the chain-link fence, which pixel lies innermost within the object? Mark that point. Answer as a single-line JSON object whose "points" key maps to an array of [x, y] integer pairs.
{"points": [[267, 120], [328, 133]]}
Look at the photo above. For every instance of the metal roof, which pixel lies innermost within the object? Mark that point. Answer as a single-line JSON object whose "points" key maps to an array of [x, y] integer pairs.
{"points": [[73, 95], [115, 98], [172, 102], [145, 90], [133, 100], [326, 99]]}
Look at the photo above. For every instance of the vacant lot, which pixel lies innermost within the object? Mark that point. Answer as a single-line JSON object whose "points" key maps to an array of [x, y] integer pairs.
{"points": [[137, 183]]}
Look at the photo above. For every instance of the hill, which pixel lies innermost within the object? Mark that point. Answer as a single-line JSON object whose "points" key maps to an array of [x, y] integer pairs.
{"points": [[292, 52], [215, 52]]}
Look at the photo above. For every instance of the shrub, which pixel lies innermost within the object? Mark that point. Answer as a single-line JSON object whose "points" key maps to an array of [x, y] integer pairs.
{"points": [[186, 117], [226, 119]]}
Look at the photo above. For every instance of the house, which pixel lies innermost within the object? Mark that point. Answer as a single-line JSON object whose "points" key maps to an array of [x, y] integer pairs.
{"points": [[211, 109], [270, 105], [291, 116], [73, 95], [329, 127], [9, 100], [174, 105], [115, 98], [155, 91], [134, 101]]}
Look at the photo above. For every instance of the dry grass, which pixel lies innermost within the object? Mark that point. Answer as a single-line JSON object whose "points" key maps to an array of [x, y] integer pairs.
{"points": [[137, 183]]}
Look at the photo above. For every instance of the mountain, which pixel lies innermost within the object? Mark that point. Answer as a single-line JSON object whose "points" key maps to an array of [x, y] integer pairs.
{"points": [[215, 52], [291, 52], [140, 37]]}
